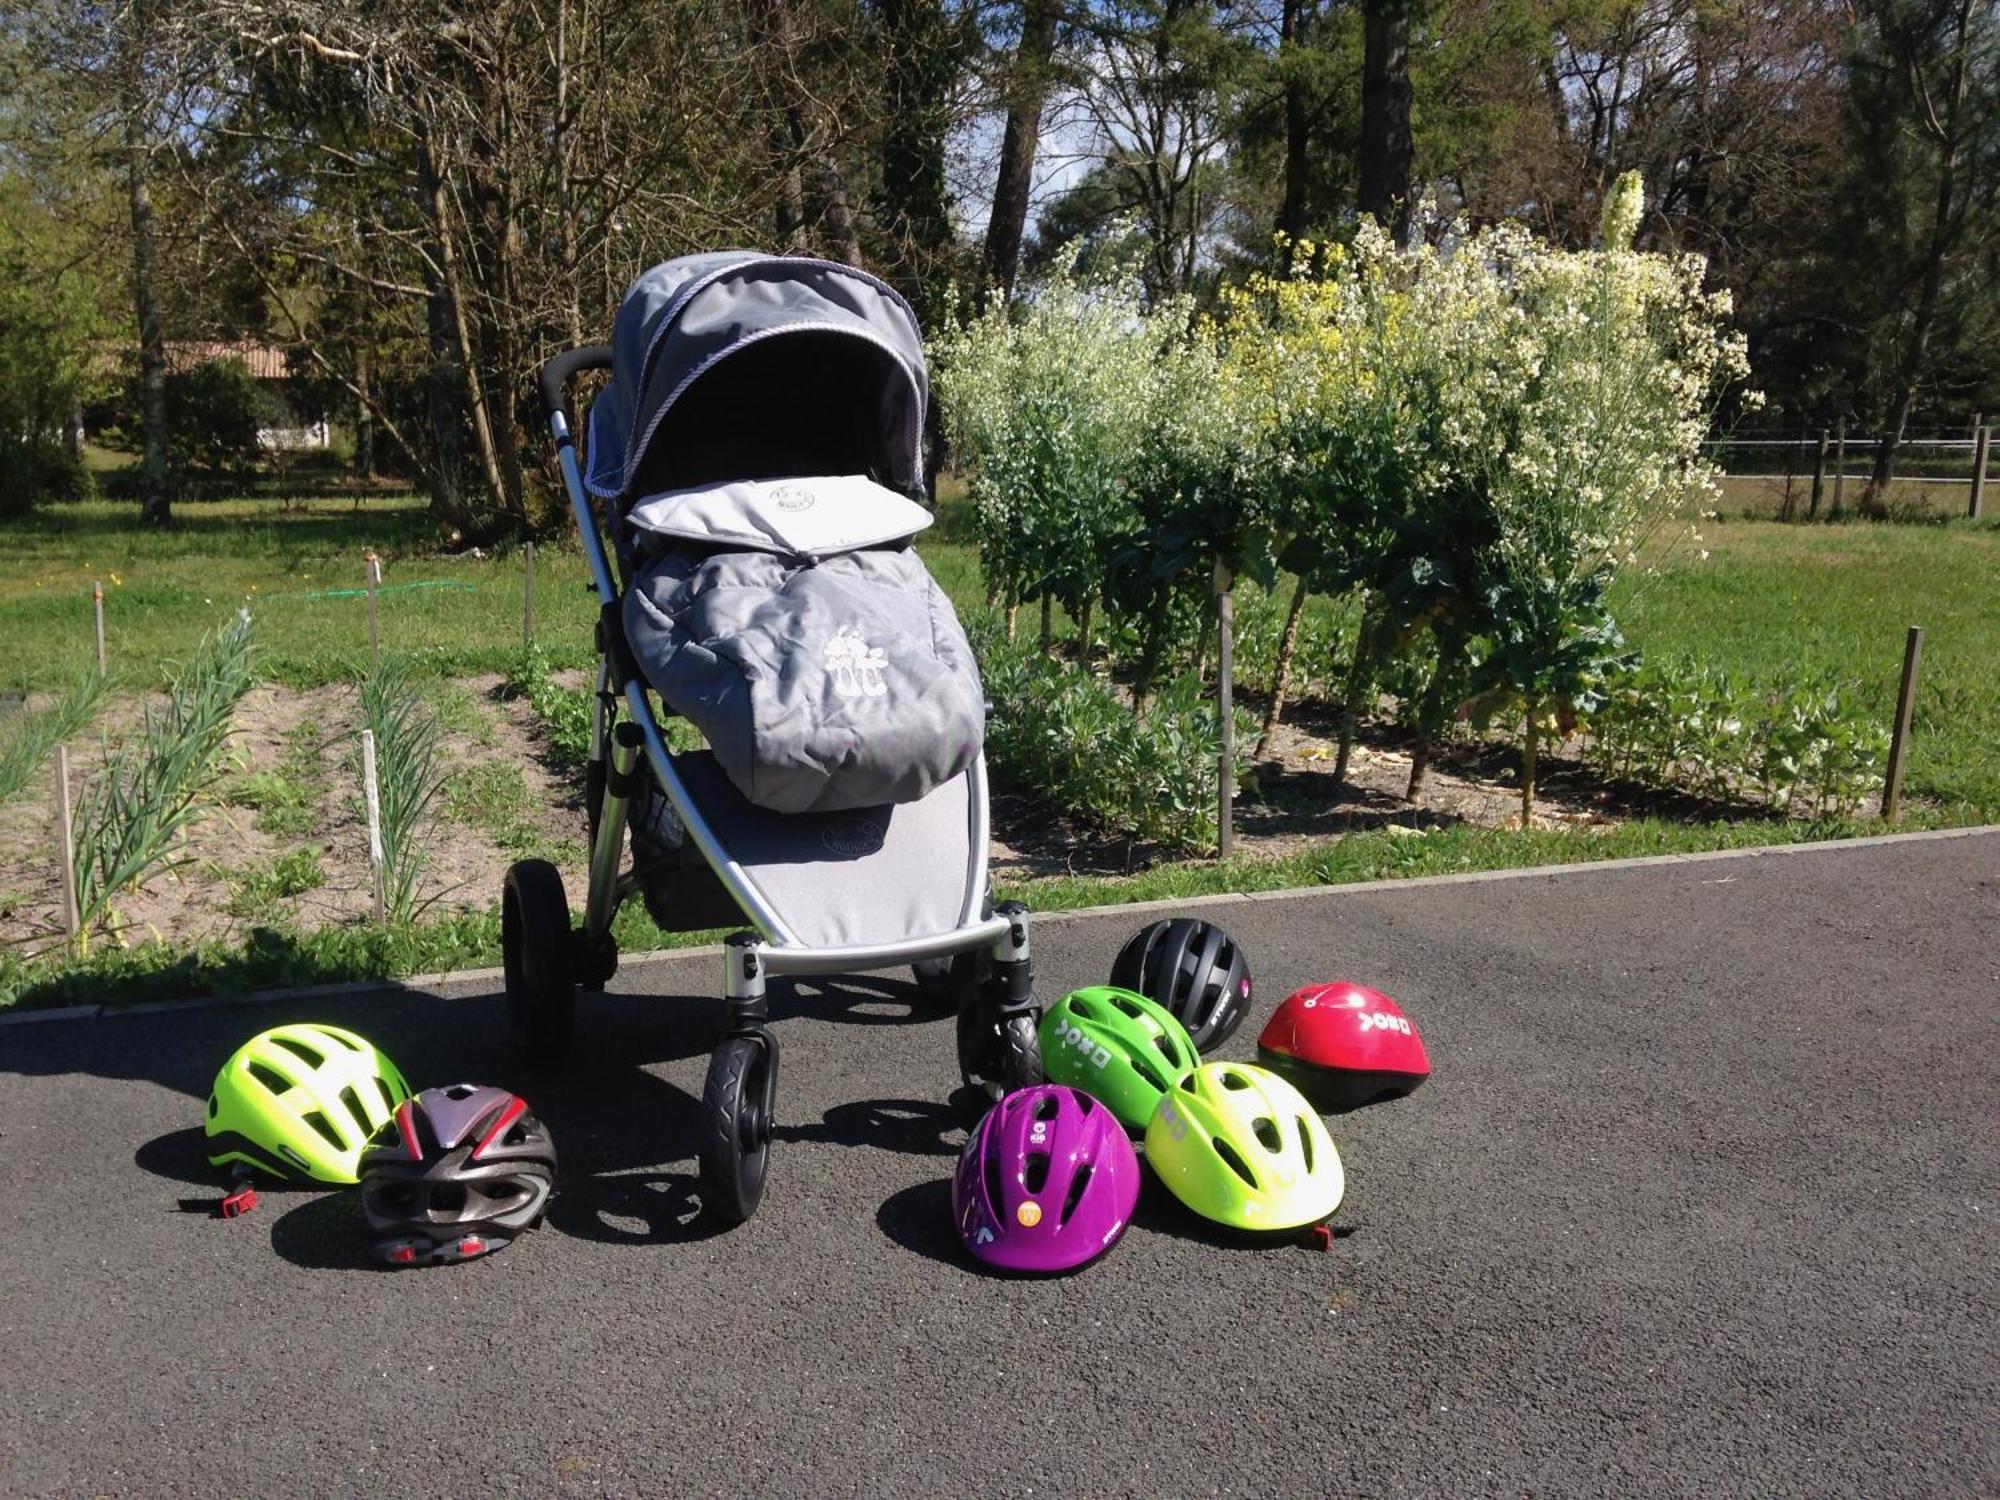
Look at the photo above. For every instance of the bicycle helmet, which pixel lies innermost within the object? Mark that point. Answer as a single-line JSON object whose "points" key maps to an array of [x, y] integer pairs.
{"points": [[1239, 1145], [1047, 1182], [1118, 1046], [1195, 970], [1344, 1045], [301, 1102], [460, 1172]]}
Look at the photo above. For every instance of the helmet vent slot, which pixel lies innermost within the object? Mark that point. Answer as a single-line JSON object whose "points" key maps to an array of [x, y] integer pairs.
{"points": [[214, 1104], [1048, 1107], [320, 1123], [1266, 1131], [448, 1198], [299, 1050], [1306, 1142], [517, 1133], [1078, 1182], [388, 1095], [1084, 1102], [1149, 1073], [1234, 1162], [1035, 1176], [1083, 1006], [994, 1194], [1231, 1079], [267, 1075], [1130, 1006], [459, 1091], [355, 1110]]}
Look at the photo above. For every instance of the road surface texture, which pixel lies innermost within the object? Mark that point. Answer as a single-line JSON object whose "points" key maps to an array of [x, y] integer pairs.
{"points": [[1701, 1200]]}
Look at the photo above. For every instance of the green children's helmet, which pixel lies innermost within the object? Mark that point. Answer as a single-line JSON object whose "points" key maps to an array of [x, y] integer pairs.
{"points": [[1122, 1048], [301, 1102]]}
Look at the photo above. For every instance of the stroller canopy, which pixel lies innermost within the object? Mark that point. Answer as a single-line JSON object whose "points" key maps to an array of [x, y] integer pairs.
{"points": [[736, 365]]}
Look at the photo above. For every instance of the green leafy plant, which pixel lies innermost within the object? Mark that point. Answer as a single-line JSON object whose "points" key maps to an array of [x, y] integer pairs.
{"points": [[131, 816], [1075, 739], [408, 779], [254, 890], [34, 735]]}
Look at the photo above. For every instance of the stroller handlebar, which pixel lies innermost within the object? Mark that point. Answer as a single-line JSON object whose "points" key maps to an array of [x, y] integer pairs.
{"points": [[559, 370]]}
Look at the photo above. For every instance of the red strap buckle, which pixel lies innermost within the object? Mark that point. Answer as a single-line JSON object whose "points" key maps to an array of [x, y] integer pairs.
{"points": [[235, 1205], [1317, 1237]]}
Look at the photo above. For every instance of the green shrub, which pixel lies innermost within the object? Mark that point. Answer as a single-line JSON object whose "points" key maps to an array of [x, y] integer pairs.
{"points": [[29, 740], [214, 413], [1062, 732]]}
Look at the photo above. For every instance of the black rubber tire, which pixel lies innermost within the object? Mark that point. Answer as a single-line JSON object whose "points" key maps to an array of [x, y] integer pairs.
{"points": [[944, 983], [535, 941], [735, 1130], [995, 1056]]}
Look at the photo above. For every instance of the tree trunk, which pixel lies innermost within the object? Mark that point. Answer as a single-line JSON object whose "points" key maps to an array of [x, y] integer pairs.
{"points": [[1359, 675], [1295, 17], [1281, 675], [498, 501], [1916, 353], [1027, 90], [1013, 618], [832, 212], [1387, 152], [1420, 762], [155, 506], [1048, 623], [921, 66], [1083, 630], [1531, 749], [364, 417]]}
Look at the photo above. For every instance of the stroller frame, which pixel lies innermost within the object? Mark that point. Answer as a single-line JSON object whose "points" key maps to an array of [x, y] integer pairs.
{"points": [[982, 967]]}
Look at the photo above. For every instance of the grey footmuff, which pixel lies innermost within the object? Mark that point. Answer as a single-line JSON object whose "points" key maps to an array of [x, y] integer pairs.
{"points": [[820, 685]]}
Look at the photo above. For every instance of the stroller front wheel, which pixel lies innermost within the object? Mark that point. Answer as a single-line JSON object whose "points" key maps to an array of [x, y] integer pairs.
{"points": [[535, 945], [736, 1108], [997, 1054]]}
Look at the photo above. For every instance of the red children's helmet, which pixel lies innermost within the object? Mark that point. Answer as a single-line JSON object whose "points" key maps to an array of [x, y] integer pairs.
{"points": [[1343, 1045]]}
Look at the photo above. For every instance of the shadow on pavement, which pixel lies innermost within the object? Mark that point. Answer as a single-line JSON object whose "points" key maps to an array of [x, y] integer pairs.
{"points": [[915, 1127], [919, 1219]]}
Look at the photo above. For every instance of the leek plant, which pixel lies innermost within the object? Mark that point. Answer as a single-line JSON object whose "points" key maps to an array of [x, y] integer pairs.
{"points": [[132, 818]]}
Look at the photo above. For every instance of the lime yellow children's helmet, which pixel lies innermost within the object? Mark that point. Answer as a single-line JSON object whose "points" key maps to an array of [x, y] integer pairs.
{"points": [[1239, 1145], [1121, 1048], [301, 1101]]}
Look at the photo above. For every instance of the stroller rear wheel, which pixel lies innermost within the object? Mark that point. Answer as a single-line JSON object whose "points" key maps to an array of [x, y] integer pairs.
{"points": [[535, 943], [736, 1108]]}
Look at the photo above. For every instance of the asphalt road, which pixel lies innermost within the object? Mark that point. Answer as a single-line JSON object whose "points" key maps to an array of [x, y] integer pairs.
{"points": [[1700, 1201]]}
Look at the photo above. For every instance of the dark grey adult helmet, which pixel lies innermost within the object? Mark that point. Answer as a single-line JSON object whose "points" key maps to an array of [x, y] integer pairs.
{"points": [[456, 1173], [1195, 970]]}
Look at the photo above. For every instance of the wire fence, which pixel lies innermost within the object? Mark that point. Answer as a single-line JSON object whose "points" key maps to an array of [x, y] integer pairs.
{"points": [[1827, 472]]}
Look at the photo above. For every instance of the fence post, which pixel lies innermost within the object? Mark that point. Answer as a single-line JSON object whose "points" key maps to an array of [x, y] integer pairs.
{"points": [[1839, 465], [1819, 478], [1982, 442], [97, 620], [66, 843], [372, 566], [1899, 740], [373, 799], [528, 599], [1225, 778]]}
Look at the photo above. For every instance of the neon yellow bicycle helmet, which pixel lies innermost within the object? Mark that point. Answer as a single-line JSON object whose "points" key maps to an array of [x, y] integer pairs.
{"points": [[1239, 1145], [301, 1101]]}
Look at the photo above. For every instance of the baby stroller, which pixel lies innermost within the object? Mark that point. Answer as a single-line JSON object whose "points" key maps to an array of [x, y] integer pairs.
{"points": [[757, 457]]}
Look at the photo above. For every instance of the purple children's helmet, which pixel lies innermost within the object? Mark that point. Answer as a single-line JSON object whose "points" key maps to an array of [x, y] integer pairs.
{"points": [[1047, 1182]]}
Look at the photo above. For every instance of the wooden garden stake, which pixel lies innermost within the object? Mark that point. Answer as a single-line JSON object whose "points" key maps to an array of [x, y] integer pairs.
{"points": [[1225, 778], [373, 568], [97, 617], [1899, 741], [1981, 444], [373, 799], [1819, 478], [1839, 464], [66, 839], [528, 599]]}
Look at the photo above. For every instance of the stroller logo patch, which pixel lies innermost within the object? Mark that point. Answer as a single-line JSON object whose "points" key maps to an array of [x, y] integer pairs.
{"points": [[854, 666], [792, 497]]}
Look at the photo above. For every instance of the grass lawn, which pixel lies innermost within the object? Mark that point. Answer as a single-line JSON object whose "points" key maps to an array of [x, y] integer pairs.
{"points": [[299, 569]]}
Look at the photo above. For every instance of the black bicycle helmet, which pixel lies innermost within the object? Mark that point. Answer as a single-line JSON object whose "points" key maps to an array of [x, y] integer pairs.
{"points": [[1195, 970], [456, 1173]]}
